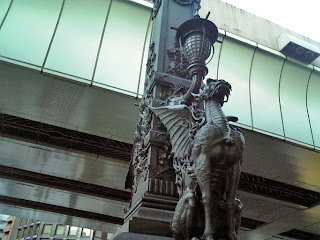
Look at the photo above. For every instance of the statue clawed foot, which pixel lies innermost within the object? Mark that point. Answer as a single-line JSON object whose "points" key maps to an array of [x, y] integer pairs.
{"points": [[232, 236], [207, 238], [203, 238]]}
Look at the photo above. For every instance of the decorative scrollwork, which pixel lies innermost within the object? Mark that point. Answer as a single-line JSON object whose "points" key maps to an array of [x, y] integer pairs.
{"points": [[187, 2], [156, 7], [181, 167], [178, 63], [170, 95], [196, 4], [150, 65], [139, 156]]}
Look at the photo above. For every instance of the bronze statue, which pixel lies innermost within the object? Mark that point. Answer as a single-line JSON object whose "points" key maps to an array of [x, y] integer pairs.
{"points": [[209, 150], [187, 222], [188, 218]]}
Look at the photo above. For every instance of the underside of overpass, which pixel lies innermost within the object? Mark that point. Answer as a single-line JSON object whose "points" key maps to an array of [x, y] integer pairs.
{"points": [[66, 161]]}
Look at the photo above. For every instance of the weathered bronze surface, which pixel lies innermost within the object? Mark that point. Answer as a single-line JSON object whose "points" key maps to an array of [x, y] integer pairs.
{"points": [[209, 151], [186, 2], [178, 63], [156, 7], [183, 136]]}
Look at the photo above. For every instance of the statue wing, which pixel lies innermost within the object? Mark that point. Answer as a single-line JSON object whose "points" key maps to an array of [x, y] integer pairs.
{"points": [[178, 121]]}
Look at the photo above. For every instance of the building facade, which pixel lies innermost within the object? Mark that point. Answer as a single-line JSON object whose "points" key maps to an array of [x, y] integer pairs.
{"points": [[19, 228], [8, 229], [3, 223]]}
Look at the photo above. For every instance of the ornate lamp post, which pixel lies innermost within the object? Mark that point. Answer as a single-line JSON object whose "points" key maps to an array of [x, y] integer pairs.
{"points": [[175, 134], [196, 38], [205, 147]]}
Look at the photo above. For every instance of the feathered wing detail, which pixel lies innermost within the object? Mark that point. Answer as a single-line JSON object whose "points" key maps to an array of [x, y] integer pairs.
{"points": [[178, 121]]}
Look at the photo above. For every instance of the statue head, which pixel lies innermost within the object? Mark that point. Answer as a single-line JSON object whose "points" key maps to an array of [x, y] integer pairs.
{"points": [[218, 90]]}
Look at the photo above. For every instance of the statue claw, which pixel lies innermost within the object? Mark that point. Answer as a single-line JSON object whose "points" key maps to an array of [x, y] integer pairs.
{"points": [[207, 237], [232, 236]]}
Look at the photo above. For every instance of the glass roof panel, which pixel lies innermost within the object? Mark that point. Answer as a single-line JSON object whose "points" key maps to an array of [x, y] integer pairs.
{"points": [[4, 5], [293, 86], [28, 29], [313, 98], [121, 52], [213, 64], [234, 67], [264, 81], [76, 42]]}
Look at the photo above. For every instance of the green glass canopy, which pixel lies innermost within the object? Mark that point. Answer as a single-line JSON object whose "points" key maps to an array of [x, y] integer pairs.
{"points": [[105, 43]]}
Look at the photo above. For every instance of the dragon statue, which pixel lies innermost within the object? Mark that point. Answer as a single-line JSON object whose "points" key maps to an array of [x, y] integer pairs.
{"points": [[208, 152]]}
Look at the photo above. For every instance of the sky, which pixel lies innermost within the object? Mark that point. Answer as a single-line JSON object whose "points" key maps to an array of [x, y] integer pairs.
{"points": [[299, 16]]}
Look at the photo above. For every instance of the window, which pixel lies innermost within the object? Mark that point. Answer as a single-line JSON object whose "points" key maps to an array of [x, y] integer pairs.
{"points": [[29, 232], [85, 232], [36, 229], [98, 235], [47, 229], [21, 222], [60, 229], [24, 221], [73, 231], [17, 234], [109, 236], [22, 232]]}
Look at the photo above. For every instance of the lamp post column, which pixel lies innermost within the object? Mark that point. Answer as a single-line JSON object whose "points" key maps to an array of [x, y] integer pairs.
{"points": [[151, 177]]}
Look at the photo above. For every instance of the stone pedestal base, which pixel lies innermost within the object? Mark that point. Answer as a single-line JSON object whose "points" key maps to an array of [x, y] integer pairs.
{"points": [[151, 216]]}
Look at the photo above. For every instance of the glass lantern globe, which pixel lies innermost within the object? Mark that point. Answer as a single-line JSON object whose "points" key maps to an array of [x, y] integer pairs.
{"points": [[196, 37]]}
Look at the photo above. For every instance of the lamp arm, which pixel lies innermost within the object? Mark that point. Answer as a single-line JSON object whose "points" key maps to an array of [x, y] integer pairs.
{"points": [[194, 88]]}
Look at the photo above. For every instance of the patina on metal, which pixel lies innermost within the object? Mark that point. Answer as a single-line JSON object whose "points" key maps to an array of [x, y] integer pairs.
{"points": [[151, 176], [184, 145], [196, 38], [207, 151], [156, 7]]}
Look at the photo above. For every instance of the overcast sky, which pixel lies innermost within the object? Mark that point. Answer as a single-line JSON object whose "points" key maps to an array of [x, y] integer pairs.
{"points": [[299, 16]]}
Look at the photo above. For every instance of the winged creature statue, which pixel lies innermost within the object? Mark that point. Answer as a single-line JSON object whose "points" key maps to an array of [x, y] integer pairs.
{"points": [[208, 150]]}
